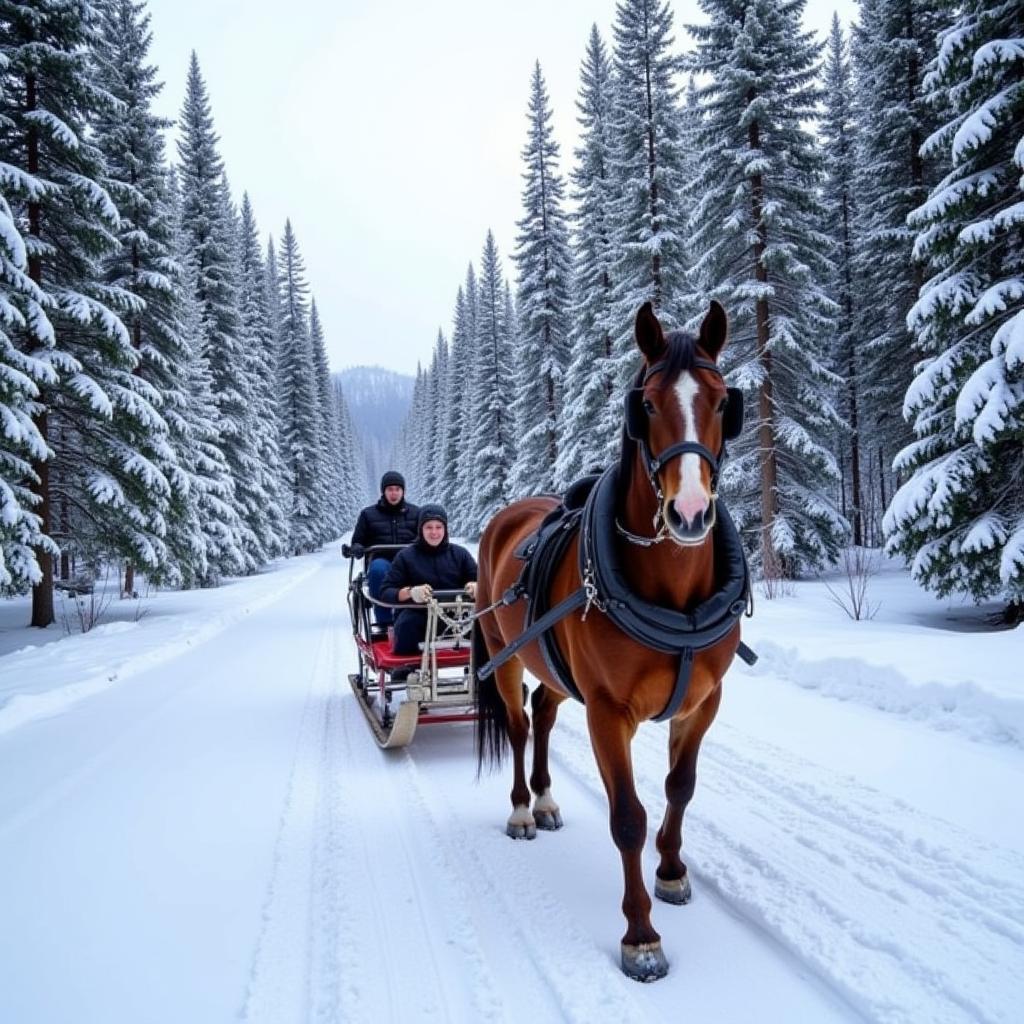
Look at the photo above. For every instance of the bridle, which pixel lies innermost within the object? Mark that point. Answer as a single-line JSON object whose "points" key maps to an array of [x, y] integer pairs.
{"points": [[636, 428]]}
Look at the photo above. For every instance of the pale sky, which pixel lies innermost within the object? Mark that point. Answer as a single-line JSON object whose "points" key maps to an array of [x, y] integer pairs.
{"points": [[390, 132]]}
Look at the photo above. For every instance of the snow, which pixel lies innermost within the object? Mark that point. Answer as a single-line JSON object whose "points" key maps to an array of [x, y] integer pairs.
{"points": [[197, 825]]}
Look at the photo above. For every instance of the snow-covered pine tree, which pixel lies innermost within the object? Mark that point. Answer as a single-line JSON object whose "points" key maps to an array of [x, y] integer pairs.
{"points": [[960, 516], [543, 261], [210, 240], [269, 524], [130, 136], [474, 353], [21, 376], [454, 444], [590, 420], [758, 228], [648, 172], [839, 140], [493, 441], [353, 494], [210, 549], [97, 417], [891, 45], [298, 397], [329, 457], [438, 418]]}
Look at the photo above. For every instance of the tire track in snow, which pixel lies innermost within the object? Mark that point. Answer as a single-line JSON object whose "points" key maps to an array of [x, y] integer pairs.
{"points": [[570, 977], [280, 978], [907, 917]]}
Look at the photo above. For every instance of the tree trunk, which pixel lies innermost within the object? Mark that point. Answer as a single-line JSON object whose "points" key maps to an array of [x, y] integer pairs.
{"points": [[42, 592], [771, 563], [851, 383], [651, 173]]}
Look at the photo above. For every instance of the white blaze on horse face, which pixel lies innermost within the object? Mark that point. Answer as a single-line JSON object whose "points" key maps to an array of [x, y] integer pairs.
{"points": [[692, 500]]}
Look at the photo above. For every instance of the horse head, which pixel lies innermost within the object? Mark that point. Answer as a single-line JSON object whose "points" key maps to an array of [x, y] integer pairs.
{"points": [[680, 414]]}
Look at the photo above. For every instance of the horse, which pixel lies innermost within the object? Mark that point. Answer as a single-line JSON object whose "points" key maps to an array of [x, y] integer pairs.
{"points": [[680, 409]]}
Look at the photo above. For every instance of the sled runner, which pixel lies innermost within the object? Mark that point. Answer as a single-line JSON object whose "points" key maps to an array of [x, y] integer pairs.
{"points": [[397, 692]]}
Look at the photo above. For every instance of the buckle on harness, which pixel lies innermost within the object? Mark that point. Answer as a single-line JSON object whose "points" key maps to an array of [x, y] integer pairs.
{"points": [[590, 589]]}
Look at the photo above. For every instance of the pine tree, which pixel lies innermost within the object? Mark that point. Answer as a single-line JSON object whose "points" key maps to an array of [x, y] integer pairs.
{"points": [[438, 407], [475, 353], [591, 420], [21, 376], [493, 441], [211, 242], [267, 516], [329, 521], [839, 138], [757, 225], [891, 46], [298, 402], [648, 171], [454, 443], [130, 136], [210, 549], [960, 517], [95, 411], [543, 260]]}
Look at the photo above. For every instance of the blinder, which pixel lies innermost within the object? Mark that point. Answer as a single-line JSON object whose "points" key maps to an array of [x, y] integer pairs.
{"points": [[636, 415], [732, 417]]}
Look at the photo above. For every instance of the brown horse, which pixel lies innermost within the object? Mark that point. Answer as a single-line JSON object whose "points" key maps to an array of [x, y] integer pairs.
{"points": [[680, 410]]}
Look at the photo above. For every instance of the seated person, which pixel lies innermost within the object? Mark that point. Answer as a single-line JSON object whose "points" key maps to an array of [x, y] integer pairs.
{"points": [[432, 563], [392, 520]]}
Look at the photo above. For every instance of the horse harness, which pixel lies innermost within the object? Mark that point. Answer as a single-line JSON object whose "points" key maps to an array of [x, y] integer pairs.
{"points": [[588, 509]]}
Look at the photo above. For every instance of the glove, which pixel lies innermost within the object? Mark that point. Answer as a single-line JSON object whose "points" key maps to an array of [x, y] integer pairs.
{"points": [[346, 551], [357, 550], [421, 593], [471, 589]]}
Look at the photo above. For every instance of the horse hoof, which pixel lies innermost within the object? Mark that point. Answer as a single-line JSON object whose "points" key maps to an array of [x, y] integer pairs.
{"points": [[521, 831], [673, 890], [645, 962], [549, 821]]}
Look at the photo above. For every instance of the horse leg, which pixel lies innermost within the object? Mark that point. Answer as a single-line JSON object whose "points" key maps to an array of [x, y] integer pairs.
{"points": [[671, 882], [545, 709], [521, 823], [611, 734]]}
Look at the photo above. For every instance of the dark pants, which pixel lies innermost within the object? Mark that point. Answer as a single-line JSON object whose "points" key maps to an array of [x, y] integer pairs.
{"points": [[410, 629], [375, 578]]}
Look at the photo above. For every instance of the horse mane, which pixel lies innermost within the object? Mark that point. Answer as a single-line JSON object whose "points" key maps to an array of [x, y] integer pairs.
{"points": [[682, 351]]}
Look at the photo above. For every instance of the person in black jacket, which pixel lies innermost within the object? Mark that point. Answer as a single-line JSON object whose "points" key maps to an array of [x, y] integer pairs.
{"points": [[432, 563], [392, 520]]}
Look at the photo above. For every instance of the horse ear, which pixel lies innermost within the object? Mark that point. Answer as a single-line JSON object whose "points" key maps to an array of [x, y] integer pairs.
{"points": [[649, 336], [714, 330]]}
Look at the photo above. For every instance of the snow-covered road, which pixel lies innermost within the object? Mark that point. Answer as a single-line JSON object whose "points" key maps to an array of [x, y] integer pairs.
{"points": [[217, 837]]}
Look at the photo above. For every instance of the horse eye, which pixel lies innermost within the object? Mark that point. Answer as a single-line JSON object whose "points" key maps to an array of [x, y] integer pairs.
{"points": [[649, 407]]}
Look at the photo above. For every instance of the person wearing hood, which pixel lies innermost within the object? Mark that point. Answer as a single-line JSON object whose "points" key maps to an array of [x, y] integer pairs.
{"points": [[392, 520], [432, 563]]}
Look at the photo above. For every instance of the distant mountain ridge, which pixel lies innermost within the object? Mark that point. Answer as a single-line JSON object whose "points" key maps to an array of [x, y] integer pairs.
{"points": [[378, 400]]}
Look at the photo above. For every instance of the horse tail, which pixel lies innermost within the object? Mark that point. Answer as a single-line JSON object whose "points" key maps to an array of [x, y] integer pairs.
{"points": [[491, 713]]}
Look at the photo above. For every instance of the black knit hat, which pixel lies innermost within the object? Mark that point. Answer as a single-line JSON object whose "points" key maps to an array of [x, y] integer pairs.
{"points": [[392, 478], [428, 512]]}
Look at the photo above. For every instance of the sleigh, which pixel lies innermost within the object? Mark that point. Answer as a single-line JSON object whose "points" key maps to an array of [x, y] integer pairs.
{"points": [[398, 693]]}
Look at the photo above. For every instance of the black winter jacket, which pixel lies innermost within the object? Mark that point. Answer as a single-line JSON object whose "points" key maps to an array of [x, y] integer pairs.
{"points": [[386, 524], [446, 567]]}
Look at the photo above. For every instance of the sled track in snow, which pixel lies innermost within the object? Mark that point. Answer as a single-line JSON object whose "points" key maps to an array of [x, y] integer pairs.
{"points": [[868, 892]]}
